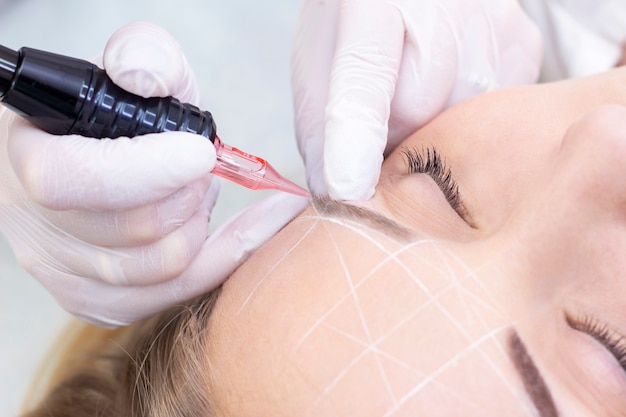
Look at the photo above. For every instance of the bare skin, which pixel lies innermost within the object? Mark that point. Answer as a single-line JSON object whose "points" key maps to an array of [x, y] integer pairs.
{"points": [[448, 313]]}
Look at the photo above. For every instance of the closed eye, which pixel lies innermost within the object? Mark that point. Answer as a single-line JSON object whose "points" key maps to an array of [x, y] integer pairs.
{"points": [[611, 340], [427, 161]]}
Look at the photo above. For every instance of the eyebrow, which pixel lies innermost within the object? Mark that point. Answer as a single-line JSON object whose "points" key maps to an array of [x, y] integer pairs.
{"points": [[534, 383], [377, 221]]}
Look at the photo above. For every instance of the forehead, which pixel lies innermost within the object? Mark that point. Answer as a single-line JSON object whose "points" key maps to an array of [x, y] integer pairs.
{"points": [[332, 312]]}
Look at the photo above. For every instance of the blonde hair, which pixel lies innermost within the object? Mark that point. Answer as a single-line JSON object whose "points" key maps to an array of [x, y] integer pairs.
{"points": [[156, 368]]}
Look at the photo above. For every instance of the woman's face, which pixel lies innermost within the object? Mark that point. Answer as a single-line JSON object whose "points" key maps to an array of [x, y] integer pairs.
{"points": [[504, 299]]}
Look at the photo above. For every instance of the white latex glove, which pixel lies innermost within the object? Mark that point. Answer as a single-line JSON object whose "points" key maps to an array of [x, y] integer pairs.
{"points": [[581, 37], [117, 229], [367, 73]]}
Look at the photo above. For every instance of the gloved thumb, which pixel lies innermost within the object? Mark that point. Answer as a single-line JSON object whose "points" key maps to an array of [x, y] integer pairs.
{"points": [[236, 240], [221, 254]]}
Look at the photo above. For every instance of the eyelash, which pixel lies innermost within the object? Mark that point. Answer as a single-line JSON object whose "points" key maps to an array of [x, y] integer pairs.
{"points": [[427, 161], [614, 342]]}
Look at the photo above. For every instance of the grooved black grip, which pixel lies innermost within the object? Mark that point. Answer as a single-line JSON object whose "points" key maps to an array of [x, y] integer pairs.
{"points": [[64, 95]]}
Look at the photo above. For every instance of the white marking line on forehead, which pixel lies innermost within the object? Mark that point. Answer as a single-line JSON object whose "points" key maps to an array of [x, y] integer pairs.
{"points": [[390, 258], [262, 280], [373, 347], [433, 299], [355, 298], [491, 336], [470, 274]]}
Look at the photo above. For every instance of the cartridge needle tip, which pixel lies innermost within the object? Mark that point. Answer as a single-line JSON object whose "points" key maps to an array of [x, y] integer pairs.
{"points": [[274, 181]]}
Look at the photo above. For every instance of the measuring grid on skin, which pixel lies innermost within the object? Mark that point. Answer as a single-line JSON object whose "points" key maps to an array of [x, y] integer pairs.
{"points": [[370, 345], [432, 299], [262, 280], [471, 274]]}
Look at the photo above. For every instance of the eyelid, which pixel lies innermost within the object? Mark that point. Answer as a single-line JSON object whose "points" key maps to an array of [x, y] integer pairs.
{"points": [[614, 342], [427, 161]]}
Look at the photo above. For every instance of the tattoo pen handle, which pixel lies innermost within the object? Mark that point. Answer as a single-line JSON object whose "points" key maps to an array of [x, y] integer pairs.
{"points": [[64, 95]]}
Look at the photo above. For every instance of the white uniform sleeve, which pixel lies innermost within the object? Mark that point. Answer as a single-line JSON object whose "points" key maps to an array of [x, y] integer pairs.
{"points": [[581, 37]]}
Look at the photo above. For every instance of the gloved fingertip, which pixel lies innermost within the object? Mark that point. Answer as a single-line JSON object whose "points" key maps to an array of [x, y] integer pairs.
{"points": [[181, 155], [289, 204], [345, 191], [183, 143], [353, 156], [250, 228], [316, 183], [267, 216], [145, 59], [315, 175]]}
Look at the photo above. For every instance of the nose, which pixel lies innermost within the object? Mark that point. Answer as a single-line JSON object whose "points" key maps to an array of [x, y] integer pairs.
{"points": [[575, 228], [569, 251], [575, 218], [592, 163]]}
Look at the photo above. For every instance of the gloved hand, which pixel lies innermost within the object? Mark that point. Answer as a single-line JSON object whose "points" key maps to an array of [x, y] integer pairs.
{"points": [[117, 229], [367, 73]]}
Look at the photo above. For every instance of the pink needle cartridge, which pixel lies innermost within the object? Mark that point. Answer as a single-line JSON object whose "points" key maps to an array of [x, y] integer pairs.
{"points": [[64, 95], [251, 171]]}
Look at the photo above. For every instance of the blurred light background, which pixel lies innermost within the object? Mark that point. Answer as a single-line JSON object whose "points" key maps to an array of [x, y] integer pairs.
{"points": [[239, 50]]}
